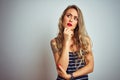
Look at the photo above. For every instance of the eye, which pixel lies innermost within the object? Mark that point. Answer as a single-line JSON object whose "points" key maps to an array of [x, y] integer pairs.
{"points": [[68, 15], [75, 18]]}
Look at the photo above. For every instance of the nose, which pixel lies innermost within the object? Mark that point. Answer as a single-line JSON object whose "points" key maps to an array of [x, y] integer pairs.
{"points": [[71, 19]]}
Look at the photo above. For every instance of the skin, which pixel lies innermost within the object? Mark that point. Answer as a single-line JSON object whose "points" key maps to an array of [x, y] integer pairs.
{"points": [[71, 16], [62, 60]]}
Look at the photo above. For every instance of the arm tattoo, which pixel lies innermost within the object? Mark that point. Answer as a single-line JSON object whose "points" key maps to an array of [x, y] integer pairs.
{"points": [[54, 46]]}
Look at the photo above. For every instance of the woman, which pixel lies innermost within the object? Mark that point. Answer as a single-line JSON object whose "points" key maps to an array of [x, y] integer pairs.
{"points": [[72, 47]]}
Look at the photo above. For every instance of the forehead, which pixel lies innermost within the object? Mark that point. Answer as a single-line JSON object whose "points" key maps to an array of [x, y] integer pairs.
{"points": [[72, 11]]}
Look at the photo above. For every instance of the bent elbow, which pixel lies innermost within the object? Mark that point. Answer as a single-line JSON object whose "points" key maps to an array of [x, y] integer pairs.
{"points": [[92, 70]]}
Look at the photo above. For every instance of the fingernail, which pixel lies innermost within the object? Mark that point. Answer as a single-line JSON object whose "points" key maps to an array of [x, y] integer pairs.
{"points": [[58, 65]]}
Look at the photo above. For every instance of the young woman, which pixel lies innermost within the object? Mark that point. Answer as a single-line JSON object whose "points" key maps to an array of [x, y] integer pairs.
{"points": [[72, 46]]}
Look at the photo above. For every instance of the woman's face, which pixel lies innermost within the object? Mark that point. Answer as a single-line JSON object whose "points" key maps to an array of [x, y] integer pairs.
{"points": [[70, 19]]}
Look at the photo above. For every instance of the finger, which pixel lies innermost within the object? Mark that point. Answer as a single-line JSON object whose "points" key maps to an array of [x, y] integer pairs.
{"points": [[65, 29], [59, 72], [71, 33], [60, 67]]}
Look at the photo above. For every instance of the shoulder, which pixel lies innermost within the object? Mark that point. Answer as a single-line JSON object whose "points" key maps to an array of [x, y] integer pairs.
{"points": [[89, 43], [53, 44], [53, 41]]}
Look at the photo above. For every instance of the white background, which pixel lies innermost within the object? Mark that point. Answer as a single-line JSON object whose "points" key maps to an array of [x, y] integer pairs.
{"points": [[27, 26]]}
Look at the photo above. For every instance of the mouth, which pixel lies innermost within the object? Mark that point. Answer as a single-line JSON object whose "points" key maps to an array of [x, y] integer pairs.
{"points": [[69, 24]]}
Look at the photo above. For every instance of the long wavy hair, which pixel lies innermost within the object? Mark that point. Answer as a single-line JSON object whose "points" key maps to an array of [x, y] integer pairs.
{"points": [[79, 32]]}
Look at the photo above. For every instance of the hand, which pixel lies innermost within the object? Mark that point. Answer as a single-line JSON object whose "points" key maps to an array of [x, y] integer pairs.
{"points": [[68, 34], [63, 73]]}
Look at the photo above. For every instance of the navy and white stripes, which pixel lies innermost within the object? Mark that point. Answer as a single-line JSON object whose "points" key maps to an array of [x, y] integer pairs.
{"points": [[74, 64]]}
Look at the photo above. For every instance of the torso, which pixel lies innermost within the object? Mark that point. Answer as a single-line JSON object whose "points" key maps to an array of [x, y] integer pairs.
{"points": [[75, 63]]}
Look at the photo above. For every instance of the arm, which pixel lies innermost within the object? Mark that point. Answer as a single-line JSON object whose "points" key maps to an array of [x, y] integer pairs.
{"points": [[83, 71], [89, 63], [62, 59]]}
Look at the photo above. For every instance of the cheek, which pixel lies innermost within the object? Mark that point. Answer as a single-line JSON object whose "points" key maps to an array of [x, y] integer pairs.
{"points": [[65, 20], [75, 24]]}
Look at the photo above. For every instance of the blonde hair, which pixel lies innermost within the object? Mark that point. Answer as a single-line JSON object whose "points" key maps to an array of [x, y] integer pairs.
{"points": [[80, 32]]}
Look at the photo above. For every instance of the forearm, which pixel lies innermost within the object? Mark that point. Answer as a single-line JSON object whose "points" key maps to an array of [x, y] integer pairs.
{"points": [[83, 71], [64, 58], [88, 68]]}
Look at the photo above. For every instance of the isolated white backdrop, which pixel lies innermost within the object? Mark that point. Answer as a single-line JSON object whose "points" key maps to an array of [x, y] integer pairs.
{"points": [[26, 28]]}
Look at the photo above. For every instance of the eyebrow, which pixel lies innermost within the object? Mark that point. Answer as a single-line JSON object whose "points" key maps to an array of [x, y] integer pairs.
{"points": [[72, 15]]}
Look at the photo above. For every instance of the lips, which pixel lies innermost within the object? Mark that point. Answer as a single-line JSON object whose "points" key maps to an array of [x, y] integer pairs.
{"points": [[69, 24]]}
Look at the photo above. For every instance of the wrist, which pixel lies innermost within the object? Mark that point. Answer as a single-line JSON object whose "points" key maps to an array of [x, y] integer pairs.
{"points": [[69, 76], [66, 43], [72, 77]]}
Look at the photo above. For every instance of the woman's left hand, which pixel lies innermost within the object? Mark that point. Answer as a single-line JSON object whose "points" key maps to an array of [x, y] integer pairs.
{"points": [[62, 72]]}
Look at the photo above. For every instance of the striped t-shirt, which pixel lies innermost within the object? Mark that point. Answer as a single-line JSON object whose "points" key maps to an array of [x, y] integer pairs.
{"points": [[75, 63]]}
